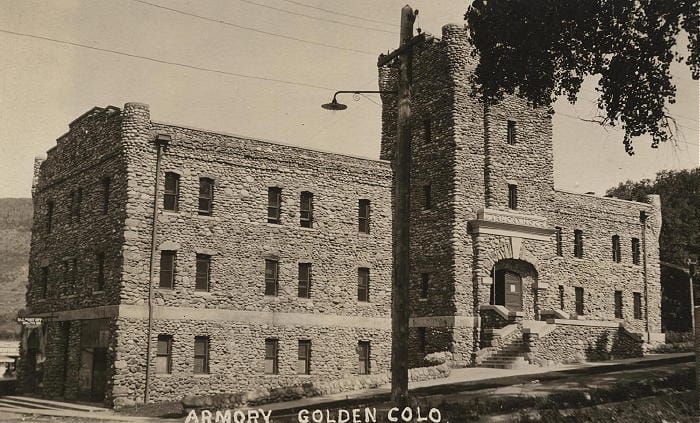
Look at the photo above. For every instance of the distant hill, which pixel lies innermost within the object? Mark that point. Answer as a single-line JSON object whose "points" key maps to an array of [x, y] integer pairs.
{"points": [[15, 235]]}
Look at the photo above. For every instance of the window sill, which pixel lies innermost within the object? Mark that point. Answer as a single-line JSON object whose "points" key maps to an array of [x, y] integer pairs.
{"points": [[163, 375], [272, 298], [98, 292], [170, 212], [363, 235], [364, 303], [203, 293], [423, 300], [202, 375], [205, 216], [273, 225], [68, 297], [311, 229], [426, 211]]}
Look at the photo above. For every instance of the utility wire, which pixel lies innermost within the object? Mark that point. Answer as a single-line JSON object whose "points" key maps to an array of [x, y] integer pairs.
{"points": [[167, 62], [259, 31], [317, 18], [337, 13]]}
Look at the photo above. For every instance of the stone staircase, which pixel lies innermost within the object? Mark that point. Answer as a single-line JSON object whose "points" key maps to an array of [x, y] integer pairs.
{"points": [[503, 348], [511, 355], [34, 407]]}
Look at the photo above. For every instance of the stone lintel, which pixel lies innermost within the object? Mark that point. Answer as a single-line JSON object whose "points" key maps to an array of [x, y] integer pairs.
{"points": [[502, 311], [501, 216], [484, 227], [101, 312]]}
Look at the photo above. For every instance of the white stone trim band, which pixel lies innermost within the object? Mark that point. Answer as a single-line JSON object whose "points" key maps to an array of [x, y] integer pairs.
{"points": [[140, 312]]}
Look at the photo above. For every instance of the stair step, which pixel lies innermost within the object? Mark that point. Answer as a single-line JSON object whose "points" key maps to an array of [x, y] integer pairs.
{"points": [[15, 403], [44, 403]]}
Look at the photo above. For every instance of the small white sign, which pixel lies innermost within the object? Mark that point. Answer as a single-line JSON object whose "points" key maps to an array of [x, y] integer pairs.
{"points": [[512, 288], [29, 321]]}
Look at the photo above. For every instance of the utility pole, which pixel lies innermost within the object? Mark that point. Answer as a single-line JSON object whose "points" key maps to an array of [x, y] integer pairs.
{"points": [[401, 164], [691, 289]]}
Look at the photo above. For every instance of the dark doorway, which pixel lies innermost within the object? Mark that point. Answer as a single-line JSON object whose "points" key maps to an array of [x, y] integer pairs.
{"points": [[508, 291], [34, 376], [65, 338], [99, 373]]}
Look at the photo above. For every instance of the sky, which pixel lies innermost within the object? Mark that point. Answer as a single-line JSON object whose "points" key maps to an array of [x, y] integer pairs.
{"points": [[45, 84]]}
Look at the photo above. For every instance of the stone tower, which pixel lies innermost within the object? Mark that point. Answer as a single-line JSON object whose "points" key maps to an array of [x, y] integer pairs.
{"points": [[490, 236]]}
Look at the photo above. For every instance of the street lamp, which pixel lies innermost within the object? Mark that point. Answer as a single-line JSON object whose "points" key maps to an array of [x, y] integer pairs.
{"points": [[334, 105], [401, 164]]}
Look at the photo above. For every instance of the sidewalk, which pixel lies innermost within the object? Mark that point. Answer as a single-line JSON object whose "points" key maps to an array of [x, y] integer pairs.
{"points": [[466, 381], [480, 378]]}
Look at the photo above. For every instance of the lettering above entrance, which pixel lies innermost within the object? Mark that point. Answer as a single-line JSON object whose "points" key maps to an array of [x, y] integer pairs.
{"points": [[497, 222]]}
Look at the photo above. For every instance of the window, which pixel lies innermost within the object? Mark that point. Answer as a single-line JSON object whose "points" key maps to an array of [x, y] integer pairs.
{"points": [[167, 269], [304, 359], [206, 196], [271, 349], [44, 282], [512, 196], [561, 297], [363, 284], [578, 243], [363, 216], [271, 276], [618, 304], [421, 340], [274, 205], [363, 351], [171, 194], [636, 251], [427, 197], [427, 130], [100, 259], [637, 305], [74, 272], [164, 354], [70, 268], [49, 216], [304, 280], [579, 301], [106, 185], [202, 272], [201, 354], [616, 252], [306, 217], [424, 280], [76, 197], [66, 272], [560, 249], [511, 132]]}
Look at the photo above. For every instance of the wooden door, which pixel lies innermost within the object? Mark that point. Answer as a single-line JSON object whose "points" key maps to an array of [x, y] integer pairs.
{"points": [[513, 291]]}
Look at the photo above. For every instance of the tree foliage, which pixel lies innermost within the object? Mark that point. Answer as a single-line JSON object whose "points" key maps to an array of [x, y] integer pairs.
{"points": [[542, 49], [680, 209]]}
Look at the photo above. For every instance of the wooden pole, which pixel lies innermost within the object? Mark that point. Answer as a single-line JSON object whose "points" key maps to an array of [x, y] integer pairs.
{"points": [[401, 221]]}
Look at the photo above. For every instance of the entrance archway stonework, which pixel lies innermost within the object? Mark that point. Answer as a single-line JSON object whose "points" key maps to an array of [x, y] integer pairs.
{"points": [[510, 253]]}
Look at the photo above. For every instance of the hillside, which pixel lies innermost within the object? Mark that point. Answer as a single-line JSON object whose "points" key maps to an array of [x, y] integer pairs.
{"points": [[15, 235]]}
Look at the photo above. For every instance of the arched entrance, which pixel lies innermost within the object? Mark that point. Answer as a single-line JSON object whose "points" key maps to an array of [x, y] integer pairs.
{"points": [[514, 286]]}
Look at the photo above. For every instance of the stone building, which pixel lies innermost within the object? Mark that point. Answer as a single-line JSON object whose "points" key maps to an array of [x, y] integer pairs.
{"points": [[168, 260]]}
